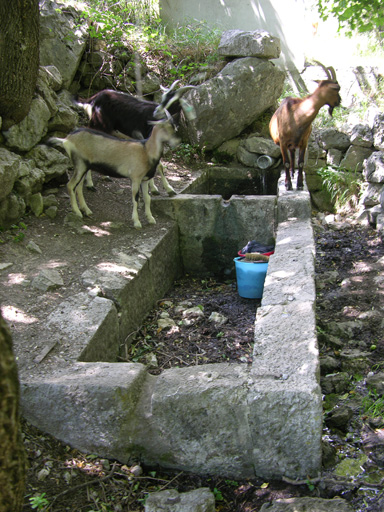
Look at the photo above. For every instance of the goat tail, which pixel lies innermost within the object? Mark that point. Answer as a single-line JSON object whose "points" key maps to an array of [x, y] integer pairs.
{"points": [[55, 142]]}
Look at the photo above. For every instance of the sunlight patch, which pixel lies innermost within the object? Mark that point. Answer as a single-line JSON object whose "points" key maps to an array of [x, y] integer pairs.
{"points": [[13, 314]]}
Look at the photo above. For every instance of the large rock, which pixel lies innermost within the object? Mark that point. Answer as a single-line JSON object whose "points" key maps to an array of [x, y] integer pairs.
{"points": [[355, 157], [229, 102], [374, 168], [25, 135], [9, 168], [307, 505], [62, 39], [198, 500], [238, 43], [378, 131]]}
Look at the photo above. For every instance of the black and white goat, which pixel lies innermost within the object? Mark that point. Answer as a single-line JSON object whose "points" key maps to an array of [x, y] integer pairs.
{"points": [[137, 160], [125, 116]]}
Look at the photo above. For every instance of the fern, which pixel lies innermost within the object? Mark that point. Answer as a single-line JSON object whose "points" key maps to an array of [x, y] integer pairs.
{"points": [[343, 186]]}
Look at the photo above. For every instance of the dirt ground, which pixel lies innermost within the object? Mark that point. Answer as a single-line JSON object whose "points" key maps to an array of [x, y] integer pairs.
{"points": [[78, 482]]}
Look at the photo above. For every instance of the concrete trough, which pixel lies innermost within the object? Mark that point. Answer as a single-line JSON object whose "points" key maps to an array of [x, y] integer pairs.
{"points": [[230, 419]]}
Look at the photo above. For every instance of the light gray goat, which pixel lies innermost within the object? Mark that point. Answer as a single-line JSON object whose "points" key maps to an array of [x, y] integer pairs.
{"points": [[137, 160]]}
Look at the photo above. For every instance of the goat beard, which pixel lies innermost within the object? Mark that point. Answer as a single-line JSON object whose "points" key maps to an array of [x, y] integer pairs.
{"points": [[330, 110]]}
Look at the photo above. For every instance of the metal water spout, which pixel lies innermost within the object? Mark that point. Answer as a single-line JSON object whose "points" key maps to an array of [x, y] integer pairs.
{"points": [[265, 161]]}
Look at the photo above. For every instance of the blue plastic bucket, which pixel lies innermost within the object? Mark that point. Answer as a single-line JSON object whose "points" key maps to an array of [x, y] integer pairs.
{"points": [[250, 277]]}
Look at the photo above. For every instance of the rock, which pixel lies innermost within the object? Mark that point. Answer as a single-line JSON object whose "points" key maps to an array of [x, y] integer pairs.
{"points": [[361, 135], [36, 204], [335, 383], [373, 169], [355, 157], [329, 454], [48, 279], [33, 247], [378, 131], [50, 200], [354, 361], [51, 161], [64, 120], [11, 209], [198, 500], [239, 43], [332, 138], [351, 467], [373, 444], [328, 364], [4, 266], [376, 382], [334, 156], [307, 505], [229, 101], [62, 40], [261, 146], [51, 212], [217, 318], [339, 417], [25, 135], [166, 323], [9, 168], [192, 315], [371, 194]]}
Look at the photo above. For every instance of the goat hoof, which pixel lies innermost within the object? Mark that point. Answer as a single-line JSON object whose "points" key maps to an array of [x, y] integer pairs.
{"points": [[288, 186], [155, 192], [172, 193], [92, 188]]}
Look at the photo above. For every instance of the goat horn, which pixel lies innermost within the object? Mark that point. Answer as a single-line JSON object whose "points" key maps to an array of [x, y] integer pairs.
{"points": [[173, 85], [325, 69], [333, 73], [184, 89]]}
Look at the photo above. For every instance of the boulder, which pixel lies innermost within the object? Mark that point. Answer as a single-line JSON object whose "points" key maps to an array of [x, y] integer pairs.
{"points": [[378, 131], [354, 158], [51, 161], [361, 135], [332, 138], [239, 43], [307, 505], [62, 39], [25, 135], [9, 169], [374, 168], [227, 103], [198, 500]]}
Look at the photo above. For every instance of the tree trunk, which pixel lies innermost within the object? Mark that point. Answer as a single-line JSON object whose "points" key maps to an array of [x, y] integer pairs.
{"points": [[19, 57], [12, 456]]}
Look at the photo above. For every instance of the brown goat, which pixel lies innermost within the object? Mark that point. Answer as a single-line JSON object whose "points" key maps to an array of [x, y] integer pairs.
{"points": [[291, 124]]}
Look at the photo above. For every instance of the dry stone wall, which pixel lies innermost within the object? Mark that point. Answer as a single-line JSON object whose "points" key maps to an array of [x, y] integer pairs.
{"points": [[227, 105]]}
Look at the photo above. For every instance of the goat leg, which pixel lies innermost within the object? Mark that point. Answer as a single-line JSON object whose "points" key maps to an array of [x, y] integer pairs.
{"points": [[135, 200], [89, 182], [167, 187], [300, 179], [147, 202], [287, 168]]}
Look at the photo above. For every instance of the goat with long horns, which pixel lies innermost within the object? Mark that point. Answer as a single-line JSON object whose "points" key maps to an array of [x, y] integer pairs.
{"points": [[291, 124]]}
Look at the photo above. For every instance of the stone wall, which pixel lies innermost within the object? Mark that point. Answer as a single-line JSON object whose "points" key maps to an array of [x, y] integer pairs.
{"points": [[229, 115]]}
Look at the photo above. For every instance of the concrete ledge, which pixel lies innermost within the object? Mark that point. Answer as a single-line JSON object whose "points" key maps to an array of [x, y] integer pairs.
{"points": [[228, 419]]}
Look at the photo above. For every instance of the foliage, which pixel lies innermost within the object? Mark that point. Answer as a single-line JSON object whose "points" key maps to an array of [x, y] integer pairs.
{"points": [[344, 186], [39, 502], [136, 25], [360, 15], [373, 405]]}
